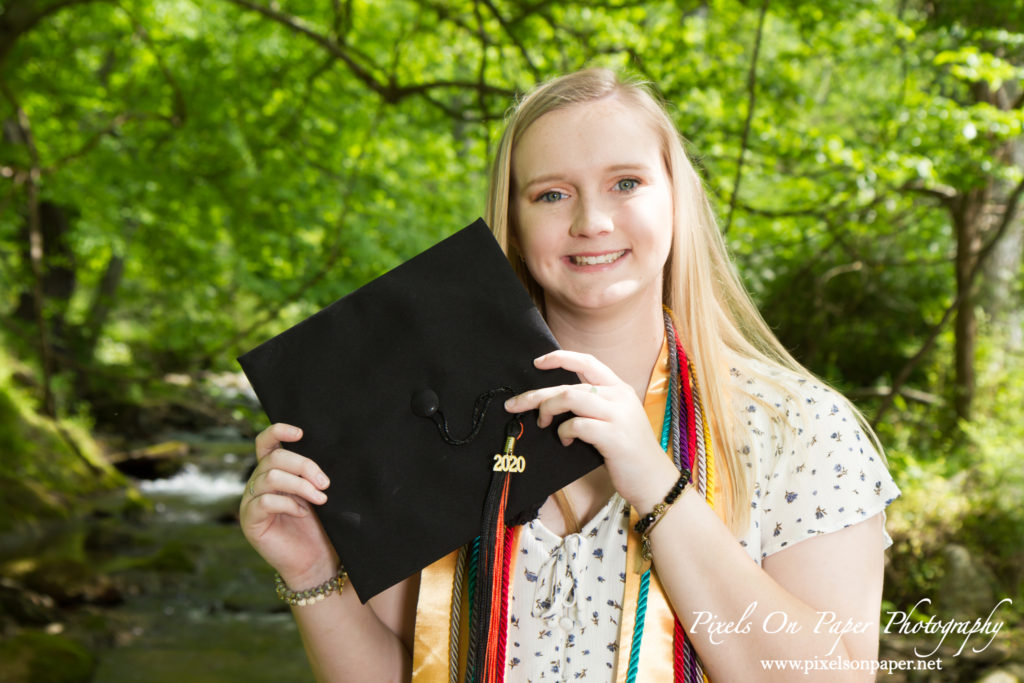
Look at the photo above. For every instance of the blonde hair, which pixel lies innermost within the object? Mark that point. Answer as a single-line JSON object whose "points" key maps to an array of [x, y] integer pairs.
{"points": [[717, 321]]}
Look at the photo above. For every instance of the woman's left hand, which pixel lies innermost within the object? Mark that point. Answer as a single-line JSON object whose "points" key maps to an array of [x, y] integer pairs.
{"points": [[606, 414]]}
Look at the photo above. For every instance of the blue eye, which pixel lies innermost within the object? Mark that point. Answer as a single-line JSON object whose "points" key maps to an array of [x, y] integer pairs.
{"points": [[627, 184], [550, 197]]}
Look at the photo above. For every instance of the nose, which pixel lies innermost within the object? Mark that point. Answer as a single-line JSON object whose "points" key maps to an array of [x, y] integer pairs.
{"points": [[590, 218]]}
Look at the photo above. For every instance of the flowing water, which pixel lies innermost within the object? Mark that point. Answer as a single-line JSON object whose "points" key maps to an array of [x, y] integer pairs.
{"points": [[199, 605]]}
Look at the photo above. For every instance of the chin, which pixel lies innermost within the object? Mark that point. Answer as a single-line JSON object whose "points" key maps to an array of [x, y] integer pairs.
{"points": [[596, 302]]}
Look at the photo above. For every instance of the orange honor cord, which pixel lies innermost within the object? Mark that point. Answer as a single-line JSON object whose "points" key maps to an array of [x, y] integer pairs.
{"points": [[494, 626]]}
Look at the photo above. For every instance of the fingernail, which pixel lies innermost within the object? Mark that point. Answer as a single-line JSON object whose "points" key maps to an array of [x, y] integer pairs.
{"points": [[295, 431], [322, 497], [322, 481], [509, 403]]}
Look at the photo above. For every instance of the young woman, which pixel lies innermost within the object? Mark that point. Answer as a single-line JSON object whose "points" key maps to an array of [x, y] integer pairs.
{"points": [[772, 550]]}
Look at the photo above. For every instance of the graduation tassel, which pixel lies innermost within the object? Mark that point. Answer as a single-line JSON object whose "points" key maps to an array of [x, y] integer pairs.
{"points": [[491, 590]]}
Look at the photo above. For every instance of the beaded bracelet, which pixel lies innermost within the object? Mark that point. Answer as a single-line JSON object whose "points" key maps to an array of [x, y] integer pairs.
{"points": [[310, 595], [647, 522]]}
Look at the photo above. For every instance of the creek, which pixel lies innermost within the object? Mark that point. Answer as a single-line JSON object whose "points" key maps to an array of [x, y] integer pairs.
{"points": [[220, 621], [196, 603]]}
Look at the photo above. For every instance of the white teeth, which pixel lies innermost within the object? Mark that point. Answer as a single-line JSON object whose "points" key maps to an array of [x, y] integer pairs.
{"points": [[597, 260]]}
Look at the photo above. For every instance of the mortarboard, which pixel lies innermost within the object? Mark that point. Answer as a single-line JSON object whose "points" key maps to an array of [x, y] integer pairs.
{"points": [[399, 389]]}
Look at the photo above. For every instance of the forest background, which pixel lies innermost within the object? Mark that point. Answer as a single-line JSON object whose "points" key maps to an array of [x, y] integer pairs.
{"points": [[181, 179]]}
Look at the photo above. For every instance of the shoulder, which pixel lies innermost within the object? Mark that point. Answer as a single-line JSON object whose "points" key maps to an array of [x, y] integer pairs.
{"points": [[816, 465], [795, 407]]}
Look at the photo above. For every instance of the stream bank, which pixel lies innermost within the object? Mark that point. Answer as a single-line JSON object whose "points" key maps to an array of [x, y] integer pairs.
{"points": [[155, 587]]}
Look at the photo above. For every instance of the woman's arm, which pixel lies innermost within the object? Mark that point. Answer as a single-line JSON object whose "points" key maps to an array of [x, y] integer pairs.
{"points": [[700, 563], [344, 639], [348, 641], [815, 601]]}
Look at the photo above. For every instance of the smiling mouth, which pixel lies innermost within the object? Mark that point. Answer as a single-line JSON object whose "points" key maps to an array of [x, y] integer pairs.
{"points": [[597, 260]]}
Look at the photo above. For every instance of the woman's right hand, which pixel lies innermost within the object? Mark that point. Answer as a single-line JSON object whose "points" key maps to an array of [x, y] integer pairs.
{"points": [[276, 513]]}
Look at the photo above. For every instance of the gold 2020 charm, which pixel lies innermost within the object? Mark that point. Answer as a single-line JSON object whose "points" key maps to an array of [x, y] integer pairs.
{"points": [[509, 461]]}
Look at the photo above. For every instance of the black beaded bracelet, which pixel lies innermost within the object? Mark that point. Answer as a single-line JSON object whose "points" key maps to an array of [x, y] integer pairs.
{"points": [[311, 595], [647, 522]]}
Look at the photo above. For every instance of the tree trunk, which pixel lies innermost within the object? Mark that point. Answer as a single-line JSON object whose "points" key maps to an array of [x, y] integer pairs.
{"points": [[52, 258], [100, 308], [968, 221]]}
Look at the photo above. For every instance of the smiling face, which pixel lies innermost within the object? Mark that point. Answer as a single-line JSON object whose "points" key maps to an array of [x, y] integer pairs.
{"points": [[592, 203]]}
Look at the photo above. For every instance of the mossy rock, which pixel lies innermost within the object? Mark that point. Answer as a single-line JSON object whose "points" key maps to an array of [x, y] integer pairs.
{"points": [[70, 581], [36, 657], [23, 606], [173, 556], [48, 465]]}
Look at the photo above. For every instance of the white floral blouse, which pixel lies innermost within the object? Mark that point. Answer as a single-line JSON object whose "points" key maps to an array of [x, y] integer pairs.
{"points": [[566, 600], [566, 596]]}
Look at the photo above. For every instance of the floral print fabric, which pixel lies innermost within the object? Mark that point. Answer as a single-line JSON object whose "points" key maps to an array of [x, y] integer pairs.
{"points": [[816, 471], [566, 600]]}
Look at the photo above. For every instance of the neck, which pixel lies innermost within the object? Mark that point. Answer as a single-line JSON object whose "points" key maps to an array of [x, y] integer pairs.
{"points": [[628, 341]]}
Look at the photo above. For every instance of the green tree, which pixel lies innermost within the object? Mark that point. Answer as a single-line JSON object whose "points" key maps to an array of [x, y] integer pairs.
{"points": [[185, 178]]}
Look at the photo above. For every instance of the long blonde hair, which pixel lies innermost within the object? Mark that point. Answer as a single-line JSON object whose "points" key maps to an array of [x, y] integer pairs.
{"points": [[717, 321]]}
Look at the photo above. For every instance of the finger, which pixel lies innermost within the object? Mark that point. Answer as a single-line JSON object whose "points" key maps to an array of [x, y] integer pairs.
{"points": [[582, 428], [273, 436], [294, 464], [587, 367], [578, 400], [275, 504], [532, 400], [529, 400], [275, 481]]}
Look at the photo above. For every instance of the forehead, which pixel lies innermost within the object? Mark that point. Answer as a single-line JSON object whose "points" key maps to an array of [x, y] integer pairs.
{"points": [[589, 135]]}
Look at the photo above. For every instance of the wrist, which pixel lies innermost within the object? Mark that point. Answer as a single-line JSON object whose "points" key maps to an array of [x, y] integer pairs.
{"points": [[648, 521], [656, 482], [313, 575]]}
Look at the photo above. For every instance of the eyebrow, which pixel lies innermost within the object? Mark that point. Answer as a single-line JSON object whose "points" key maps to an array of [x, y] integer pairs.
{"points": [[616, 168]]}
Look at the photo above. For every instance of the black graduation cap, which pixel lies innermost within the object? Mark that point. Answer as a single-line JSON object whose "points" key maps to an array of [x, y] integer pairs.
{"points": [[399, 389]]}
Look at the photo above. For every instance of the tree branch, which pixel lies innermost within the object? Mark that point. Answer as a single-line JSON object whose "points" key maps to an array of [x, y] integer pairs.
{"points": [[751, 100], [388, 89], [515, 39], [904, 374], [178, 108], [95, 138], [944, 193], [20, 16], [482, 68], [1004, 224]]}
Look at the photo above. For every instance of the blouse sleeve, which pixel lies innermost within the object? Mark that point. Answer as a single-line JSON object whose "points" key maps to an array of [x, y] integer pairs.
{"points": [[823, 474]]}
